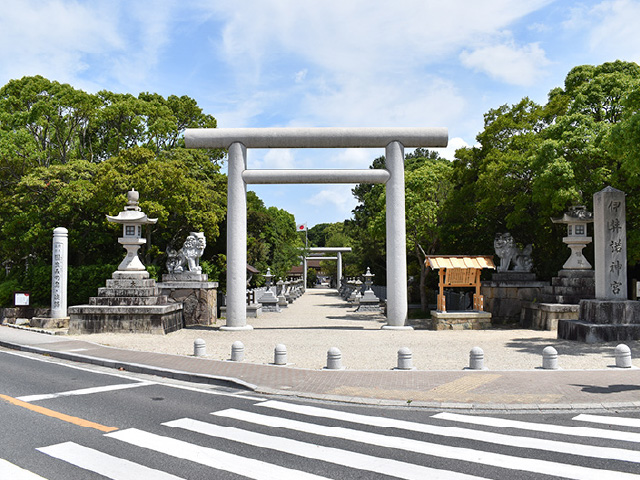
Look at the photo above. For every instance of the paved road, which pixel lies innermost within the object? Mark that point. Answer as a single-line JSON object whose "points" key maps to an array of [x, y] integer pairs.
{"points": [[65, 421]]}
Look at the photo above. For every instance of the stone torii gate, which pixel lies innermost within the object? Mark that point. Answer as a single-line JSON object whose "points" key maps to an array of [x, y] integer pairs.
{"points": [[322, 250], [238, 140]]}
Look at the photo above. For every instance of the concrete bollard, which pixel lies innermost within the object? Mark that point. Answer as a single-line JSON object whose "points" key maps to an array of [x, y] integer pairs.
{"points": [[623, 356], [334, 359], [476, 359], [199, 348], [237, 351], [550, 358], [405, 359], [280, 355]]}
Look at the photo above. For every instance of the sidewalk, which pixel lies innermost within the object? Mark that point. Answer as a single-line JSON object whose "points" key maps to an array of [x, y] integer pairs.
{"points": [[320, 320]]}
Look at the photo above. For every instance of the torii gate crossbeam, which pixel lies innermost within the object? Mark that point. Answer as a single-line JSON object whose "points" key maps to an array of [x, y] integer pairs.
{"points": [[238, 140]]}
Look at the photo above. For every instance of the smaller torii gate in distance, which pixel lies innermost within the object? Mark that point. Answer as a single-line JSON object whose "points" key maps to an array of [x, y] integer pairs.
{"points": [[337, 250], [238, 140]]}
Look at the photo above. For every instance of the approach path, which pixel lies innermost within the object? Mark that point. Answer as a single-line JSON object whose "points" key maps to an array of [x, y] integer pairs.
{"points": [[320, 319]]}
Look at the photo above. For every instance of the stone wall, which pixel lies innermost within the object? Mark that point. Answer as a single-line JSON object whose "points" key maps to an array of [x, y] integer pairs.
{"points": [[506, 293], [12, 314]]}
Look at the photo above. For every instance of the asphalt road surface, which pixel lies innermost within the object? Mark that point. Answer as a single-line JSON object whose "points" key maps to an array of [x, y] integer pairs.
{"points": [[64, 421]]}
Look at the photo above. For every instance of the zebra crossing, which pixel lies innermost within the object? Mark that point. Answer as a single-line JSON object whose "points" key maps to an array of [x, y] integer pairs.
{"points": [[277, 435]]}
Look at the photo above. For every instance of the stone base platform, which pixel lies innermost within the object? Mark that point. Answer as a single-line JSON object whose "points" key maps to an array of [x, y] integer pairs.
{"points": [[197, 295], [461, 320], [545, 316], [506, 293], [46, 322], [130, 303], [603, 321], [157, 319]]}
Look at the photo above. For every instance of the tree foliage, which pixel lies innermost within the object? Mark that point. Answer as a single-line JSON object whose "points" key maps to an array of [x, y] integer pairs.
{"points": [[535, 161], [67, 158], [272, 239]]}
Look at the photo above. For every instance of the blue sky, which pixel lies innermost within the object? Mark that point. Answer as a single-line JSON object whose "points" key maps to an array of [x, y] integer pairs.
{"points": [[346, 63]]}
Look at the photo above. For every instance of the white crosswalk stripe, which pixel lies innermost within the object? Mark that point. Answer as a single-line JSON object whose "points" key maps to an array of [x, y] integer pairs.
{"points": [[107, 465], [345, 458], [456, 432], [606, 420], [210, 457], [430, 446], [10, 471], [542, 427]]}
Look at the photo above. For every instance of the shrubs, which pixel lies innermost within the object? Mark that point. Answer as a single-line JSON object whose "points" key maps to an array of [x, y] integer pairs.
{"points": [[83, 282]]}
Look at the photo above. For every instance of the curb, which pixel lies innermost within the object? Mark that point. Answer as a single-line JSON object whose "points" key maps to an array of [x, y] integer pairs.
{"points": [[136, 367]]}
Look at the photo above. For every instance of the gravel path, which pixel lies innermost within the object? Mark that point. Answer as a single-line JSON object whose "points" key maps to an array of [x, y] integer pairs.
{"points": [[320, 319]]}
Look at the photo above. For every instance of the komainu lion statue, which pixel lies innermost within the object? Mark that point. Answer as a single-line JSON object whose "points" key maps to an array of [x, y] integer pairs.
{"points": [[510, 254], [188, 256]]}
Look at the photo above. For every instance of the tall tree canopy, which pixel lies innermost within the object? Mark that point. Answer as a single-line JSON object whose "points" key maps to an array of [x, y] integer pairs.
{"points": [[67, 158], [535, 161]]}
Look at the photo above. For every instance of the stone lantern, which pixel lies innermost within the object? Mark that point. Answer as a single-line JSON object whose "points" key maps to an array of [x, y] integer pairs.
{"points": [[576, 219], [369, 302], [132, 218], [268, 299]]}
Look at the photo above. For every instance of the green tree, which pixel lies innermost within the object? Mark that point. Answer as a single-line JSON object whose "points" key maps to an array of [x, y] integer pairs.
{"points": [[272, 239], [535, 161]]}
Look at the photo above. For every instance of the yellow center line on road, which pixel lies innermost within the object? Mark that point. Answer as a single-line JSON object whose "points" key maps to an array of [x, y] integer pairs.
{"points": [[61, 416]]}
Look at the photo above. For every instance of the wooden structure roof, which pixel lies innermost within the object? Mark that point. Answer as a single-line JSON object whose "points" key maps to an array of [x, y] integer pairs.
{"points": [[460, 261]]}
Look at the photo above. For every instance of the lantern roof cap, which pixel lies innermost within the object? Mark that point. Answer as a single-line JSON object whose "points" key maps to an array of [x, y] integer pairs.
{"points": [[576, 214], [132, 212]]}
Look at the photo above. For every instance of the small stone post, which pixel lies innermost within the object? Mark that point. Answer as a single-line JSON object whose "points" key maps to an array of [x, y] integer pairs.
{"points": [[280, 355], [550, 358], [405, 359], [334, 359], [199, 348], [237, 351], [610, 232], [59, 273], [476, 359], [623, 356]]}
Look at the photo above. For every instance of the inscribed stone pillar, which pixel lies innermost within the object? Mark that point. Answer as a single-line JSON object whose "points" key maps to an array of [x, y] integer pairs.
{"points": [[236, 240], [397, 304], [610, 232], [60, 257]]}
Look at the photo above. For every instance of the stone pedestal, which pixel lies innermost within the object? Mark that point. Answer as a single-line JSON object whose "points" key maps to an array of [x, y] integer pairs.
{"points": [[466, 320], [608, 321], [132, 303], [197, 295], [269, 301], [545, 316], [369, 302], [507, 292]]}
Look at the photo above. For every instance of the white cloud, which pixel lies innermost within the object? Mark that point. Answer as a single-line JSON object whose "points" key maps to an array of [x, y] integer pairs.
{"points": [[522, 66], [454, 144], [364, 62], [335, 197], [54, 38], [301, 75], [615, 34]]}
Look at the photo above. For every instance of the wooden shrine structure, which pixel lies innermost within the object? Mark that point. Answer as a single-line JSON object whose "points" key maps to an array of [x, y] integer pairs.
{"points": [[460, 271]]}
